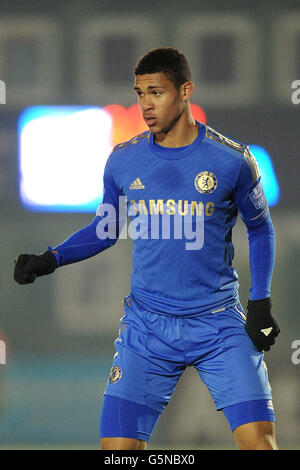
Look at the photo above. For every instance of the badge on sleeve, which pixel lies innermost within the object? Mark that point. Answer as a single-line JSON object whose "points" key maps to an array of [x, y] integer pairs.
{"points": [[257, 196]]}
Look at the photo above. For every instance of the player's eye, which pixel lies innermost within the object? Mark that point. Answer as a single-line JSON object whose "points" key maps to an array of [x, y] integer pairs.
{"points": [[156, 93]]}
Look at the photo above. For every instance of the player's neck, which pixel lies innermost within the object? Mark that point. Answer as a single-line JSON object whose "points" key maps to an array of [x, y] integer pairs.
{"points": [[183, 133]]}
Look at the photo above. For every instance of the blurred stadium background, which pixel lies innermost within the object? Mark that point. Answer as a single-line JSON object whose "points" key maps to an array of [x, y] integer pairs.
{"points": [[59, 332]]}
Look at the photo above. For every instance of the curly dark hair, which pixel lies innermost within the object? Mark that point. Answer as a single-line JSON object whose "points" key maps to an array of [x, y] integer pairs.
{"points": [[167, 60]]}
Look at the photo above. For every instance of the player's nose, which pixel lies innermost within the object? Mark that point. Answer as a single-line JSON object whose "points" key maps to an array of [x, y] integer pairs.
{"points": [[147, 104]]}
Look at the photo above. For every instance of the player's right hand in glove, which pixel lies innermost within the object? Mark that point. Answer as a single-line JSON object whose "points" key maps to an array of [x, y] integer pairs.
{"points": [[261, 326], [29, 267]]}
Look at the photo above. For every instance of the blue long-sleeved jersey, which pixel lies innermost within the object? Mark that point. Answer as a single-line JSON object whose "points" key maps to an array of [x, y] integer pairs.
{"points": [[182, 205]]}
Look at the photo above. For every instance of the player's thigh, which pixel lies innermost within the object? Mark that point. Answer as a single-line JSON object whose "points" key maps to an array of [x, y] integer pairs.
{"points": [[252, 423], [234, 371], [147, 364], [122, 443], [259, 435], [124, 422], [144, 373]]}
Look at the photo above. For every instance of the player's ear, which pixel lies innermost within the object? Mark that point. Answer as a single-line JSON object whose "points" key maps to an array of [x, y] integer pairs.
{"points": [[187, 90]]}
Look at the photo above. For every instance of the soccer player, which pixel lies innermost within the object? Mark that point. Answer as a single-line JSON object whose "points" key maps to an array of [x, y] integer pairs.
{"points": [[180, 181]]}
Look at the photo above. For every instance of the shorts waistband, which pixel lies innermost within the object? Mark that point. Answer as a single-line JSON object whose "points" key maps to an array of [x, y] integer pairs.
{"points": [[205, 311]]}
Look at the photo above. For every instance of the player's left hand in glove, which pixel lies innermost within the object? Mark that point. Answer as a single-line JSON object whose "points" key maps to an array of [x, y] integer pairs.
{"points": [[29, 267], [261, 326]]}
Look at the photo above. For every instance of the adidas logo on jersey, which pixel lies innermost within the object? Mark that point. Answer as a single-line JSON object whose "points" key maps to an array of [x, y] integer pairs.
{"points": [[137, 184]]}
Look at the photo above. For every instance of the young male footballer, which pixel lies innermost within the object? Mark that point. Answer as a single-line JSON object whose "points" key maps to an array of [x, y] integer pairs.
{"points": [[180, 179]]}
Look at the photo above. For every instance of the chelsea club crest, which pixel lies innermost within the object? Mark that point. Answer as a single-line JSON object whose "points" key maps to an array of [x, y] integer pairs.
{"points": [[206, 182], [115, 374]]}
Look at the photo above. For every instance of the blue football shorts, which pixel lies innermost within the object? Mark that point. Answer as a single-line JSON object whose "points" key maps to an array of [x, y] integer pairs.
{"points": [[152, 352]]}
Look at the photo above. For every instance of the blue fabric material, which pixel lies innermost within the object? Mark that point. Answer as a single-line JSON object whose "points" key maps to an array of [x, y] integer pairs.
{"points": [[168, 278], [81, 245], [249, 412], [124, 418], [153, 350], [262, 256]]}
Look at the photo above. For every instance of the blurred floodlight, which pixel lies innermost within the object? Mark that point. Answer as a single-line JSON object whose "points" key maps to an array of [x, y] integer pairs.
{"points": [[63, 151], [268, 175], [62, 154]]}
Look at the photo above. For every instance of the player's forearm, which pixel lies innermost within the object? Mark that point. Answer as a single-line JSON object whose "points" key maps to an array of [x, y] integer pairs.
{"points": [[82, 245], [262, 257]]}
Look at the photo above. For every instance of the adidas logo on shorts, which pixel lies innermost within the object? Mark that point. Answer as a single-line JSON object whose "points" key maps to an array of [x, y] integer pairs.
{"points": [[270, 405]]}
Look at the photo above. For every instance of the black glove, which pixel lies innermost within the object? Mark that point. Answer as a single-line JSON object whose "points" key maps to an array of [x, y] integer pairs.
{"points": [[261, 326], [29, 267]]}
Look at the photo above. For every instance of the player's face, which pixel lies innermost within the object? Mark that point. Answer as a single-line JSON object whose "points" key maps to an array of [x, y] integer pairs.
{"points": [[160, 102]]}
